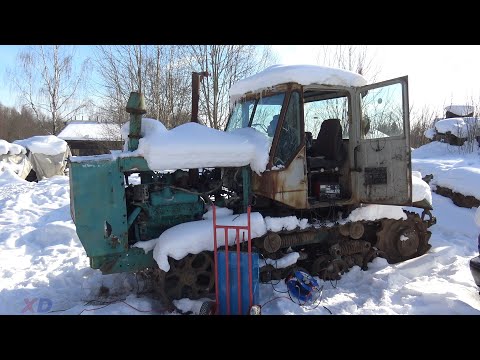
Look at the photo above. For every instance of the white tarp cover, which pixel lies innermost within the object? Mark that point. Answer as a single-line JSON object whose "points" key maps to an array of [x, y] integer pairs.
{"points": [[47, 166], [48, 154], [18, 163]]}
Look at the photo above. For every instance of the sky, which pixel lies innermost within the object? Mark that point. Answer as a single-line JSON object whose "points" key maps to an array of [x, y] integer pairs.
{"points": [[44, 268], [438, 75], [8, 54]]}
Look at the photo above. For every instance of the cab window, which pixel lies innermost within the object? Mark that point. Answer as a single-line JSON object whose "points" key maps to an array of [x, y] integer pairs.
{"points": [[382, 112], [240, 116], [319, 107], [290, 135]]}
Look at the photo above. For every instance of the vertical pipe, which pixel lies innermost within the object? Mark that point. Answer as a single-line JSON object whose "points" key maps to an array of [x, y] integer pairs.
{"points": [[196, 78], [215, 257], [195, 96], [136, 108], [239, 276], [227, 277], [250, 279], [246, 187]]}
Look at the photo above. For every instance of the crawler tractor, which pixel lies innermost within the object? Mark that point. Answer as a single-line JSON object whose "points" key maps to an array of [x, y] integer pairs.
{"points": [[337, 144]]}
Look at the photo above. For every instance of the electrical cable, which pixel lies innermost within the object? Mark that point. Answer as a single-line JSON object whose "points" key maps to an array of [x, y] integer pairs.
{"points": [[113, 302], [314, 304]]}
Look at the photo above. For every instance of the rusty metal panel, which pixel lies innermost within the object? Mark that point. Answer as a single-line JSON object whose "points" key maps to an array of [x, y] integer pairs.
{"points": [[386, 177], [375, 175], [288, 185]]}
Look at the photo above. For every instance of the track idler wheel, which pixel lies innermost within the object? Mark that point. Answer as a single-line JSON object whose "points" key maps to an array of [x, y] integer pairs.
{"points": [[329, 268], [400, 240], [191, 277]]}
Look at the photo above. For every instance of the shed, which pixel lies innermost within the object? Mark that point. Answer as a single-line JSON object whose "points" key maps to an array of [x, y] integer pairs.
{"points": [[91, 137]]}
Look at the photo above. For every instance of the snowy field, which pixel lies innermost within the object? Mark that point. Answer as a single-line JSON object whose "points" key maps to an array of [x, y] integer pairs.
{"points": [[451, 166], [44, 268]]}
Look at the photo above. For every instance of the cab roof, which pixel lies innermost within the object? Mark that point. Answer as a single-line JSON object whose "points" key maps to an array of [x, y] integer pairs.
{"points": [[301, 74]]}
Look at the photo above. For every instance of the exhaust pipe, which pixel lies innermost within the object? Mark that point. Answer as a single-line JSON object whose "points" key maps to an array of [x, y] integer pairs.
{"points": [[196, 78]]}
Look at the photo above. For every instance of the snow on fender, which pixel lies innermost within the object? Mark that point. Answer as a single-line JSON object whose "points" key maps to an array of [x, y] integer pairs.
{"points": [[196, 236]]}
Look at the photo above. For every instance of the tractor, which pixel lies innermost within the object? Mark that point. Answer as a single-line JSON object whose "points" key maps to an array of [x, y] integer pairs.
{"points": [[336, 144]]}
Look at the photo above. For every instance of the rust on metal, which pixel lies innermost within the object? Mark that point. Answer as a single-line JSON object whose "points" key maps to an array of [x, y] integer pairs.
{"points": [[401, 240], [272, 242], [190, 277], [107, 266], [299, 238], [288, 186], [344, 229], [408, 244], [114, 241], [196, 78], [354, 246], [356, 230], [270, 91], [290, 87]]}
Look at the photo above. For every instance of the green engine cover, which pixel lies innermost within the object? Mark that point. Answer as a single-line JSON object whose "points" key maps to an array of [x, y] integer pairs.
{"points": [[102, 215]]}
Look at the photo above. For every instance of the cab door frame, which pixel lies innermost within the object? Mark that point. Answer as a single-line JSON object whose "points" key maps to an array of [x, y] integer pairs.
{"points": [[382, 165]]}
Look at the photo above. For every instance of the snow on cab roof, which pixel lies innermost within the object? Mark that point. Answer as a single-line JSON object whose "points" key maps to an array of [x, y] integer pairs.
{"points": [[301, 74]]}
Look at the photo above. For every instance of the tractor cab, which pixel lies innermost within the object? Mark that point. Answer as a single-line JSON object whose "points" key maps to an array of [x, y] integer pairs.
{"points": [[333, 139]]}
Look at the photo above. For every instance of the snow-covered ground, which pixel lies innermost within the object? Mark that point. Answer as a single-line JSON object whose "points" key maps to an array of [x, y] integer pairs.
{"points": [[44, 268], [451, 166]]}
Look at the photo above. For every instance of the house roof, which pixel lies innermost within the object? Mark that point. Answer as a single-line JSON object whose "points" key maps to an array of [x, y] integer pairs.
{"points": [[91, 131]]}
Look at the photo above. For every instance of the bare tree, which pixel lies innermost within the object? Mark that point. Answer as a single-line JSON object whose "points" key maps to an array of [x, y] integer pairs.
{"points": [[356, 58], [353, 58], [420, 121], [48, 83], [165, 78], [17, 125], [158, 71], [225, 64]]}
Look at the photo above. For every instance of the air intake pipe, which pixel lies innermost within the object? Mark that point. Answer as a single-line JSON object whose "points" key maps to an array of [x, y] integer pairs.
{"points": [[136, 108]]}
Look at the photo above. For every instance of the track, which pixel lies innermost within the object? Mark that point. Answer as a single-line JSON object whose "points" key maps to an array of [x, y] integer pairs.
{"points": [[324, 252]]}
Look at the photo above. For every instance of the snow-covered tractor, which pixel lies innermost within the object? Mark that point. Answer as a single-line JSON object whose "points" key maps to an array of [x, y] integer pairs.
{"points": [[319, 155]]}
